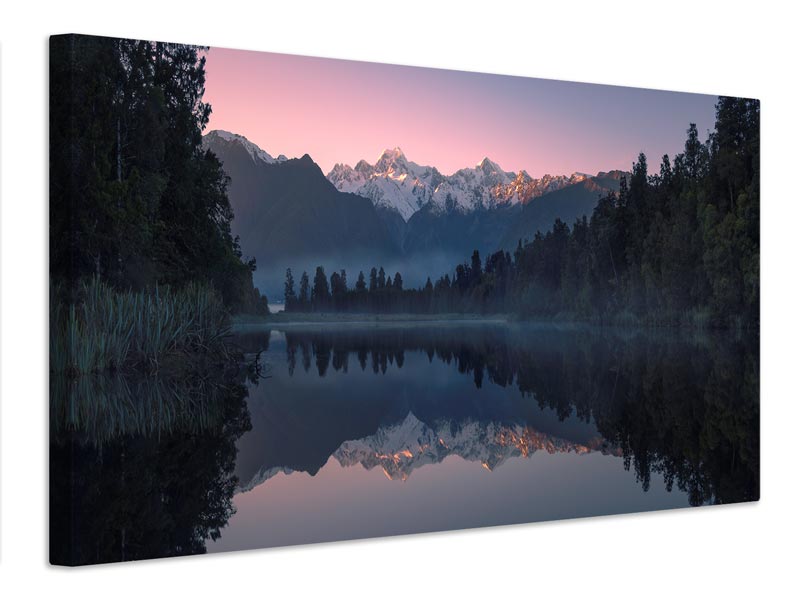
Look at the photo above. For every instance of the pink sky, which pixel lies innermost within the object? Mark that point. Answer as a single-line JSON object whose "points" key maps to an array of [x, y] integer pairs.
{"points": [[343, 111]]}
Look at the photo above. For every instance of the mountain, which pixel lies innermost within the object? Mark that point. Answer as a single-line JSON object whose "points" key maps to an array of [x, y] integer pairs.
{"points": [[454, 234], [397, 184], [567, 203], [287, 214], [445, 217], [392, 183], [396, 213], [220, 139]]}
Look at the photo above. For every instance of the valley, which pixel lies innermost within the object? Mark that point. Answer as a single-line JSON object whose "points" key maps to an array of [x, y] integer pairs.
{"points": [[403, 216]]}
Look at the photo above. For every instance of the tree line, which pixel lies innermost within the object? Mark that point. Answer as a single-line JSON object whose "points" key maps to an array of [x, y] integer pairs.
{"points": [[677, 247], [379, 293], [134, 199]]}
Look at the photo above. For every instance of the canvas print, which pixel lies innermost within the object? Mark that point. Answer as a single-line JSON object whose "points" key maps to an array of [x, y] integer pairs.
{"points": [[299, 300]]}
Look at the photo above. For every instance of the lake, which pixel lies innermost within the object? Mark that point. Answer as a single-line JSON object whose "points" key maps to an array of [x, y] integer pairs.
{"points": [[360, 430]]}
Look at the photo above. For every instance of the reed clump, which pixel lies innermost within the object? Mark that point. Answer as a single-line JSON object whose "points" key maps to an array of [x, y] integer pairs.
{"points": [[101, 329]]}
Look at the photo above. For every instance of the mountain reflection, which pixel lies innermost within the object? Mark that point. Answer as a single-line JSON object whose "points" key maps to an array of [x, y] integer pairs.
{"points": [[685, 407], [405, 446]]}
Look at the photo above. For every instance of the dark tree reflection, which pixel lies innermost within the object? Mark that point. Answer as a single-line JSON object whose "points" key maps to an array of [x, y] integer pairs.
{"points": [[683, 406], [140, 469]]}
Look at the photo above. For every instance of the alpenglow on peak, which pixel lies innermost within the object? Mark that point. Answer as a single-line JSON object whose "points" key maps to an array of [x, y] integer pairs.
{"points": [[397, 184]]}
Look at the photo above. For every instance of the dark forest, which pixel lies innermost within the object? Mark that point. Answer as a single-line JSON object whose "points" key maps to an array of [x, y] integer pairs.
{"points": [[134, 200]]}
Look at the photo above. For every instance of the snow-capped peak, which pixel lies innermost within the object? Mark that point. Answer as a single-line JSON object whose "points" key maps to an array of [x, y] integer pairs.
{"points": [[392, 162], [256, 153], [393, 182], [489, 166], [392, 154], [397, 184]]}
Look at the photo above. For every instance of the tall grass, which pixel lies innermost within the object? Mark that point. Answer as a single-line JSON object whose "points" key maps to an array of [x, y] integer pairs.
{"points": [[103, 329]]}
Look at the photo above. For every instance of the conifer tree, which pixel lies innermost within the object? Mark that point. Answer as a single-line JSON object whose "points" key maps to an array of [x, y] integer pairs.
{"points": [[320, 293], [381, 279], [289, 296], [304, 296], [373, 279]]}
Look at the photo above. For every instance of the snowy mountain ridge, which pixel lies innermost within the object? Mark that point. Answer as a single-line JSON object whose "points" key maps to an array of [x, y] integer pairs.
{"points": [[403, 186], [395, 183], [256, 153]]}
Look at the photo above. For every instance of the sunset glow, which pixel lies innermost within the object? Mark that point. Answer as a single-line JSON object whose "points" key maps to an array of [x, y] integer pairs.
{"points": [[343, 111]]}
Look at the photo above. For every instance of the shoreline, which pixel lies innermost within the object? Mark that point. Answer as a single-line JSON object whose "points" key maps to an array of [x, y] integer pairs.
{"points": [[303, 319], [284, 321]]}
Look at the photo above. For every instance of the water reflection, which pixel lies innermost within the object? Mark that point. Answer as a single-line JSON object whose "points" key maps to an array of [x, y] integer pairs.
{"points": [[685, 407], [140, 467], [376, 430]]}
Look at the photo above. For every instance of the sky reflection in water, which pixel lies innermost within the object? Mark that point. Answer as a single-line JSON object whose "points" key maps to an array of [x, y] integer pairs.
{"points": [[365, 431]]}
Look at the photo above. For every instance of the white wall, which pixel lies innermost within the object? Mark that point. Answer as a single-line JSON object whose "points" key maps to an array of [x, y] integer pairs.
{"points": [[735, 48]]}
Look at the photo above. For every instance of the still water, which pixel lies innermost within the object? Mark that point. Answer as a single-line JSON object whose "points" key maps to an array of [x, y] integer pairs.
{"points": [[360, 430]]}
